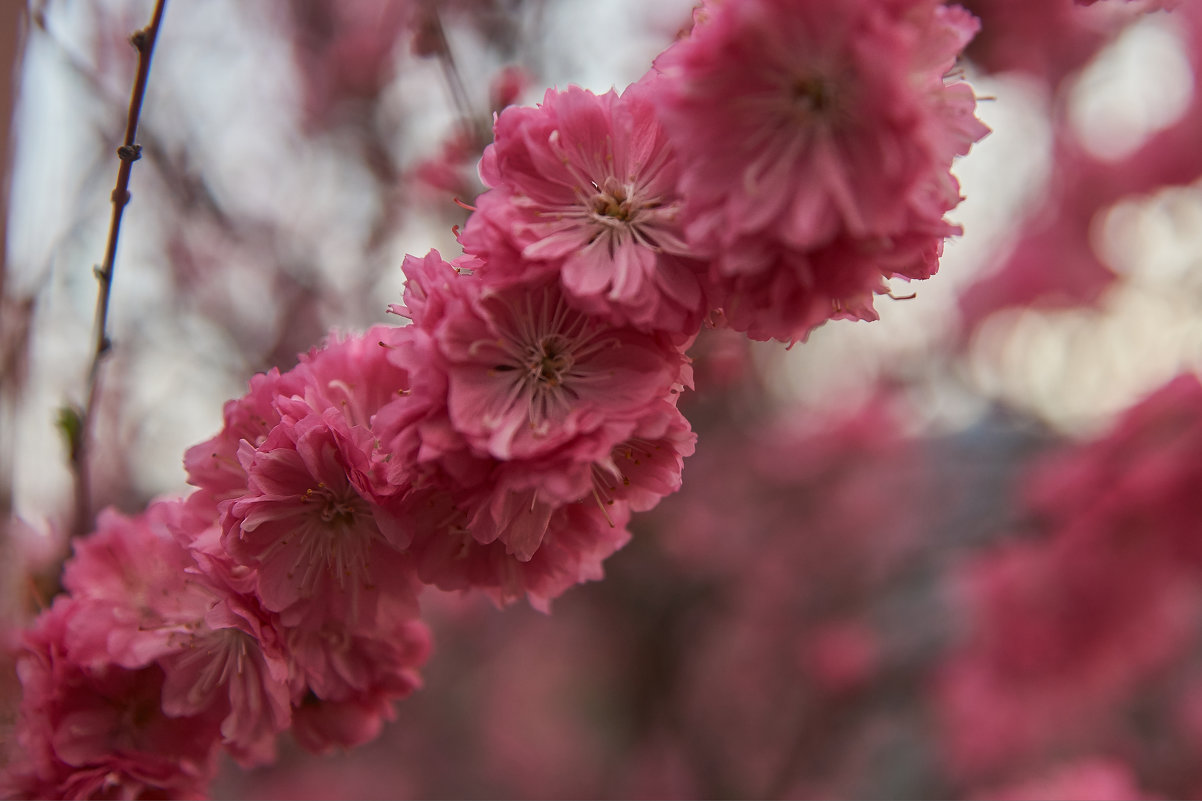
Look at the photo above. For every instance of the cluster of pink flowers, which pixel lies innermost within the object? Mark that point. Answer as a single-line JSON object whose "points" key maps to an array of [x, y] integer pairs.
{"points": [[1074, 626], [777, 164]]}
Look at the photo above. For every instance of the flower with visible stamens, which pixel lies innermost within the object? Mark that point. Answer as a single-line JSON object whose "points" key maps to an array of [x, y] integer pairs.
{"points": [[529, 375], [523, 396], [233, 659], [324, 544], [584, 186]]}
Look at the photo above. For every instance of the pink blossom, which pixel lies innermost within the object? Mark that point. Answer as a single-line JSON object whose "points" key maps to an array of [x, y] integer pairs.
{"points": [[527, 373], [353, 374], [337, 663], [560, 410], [324, 545], [141, 599], [1091, 779], [1045, 39], [1066, 628], [586, 187], [805, 126], [345, 53], [430, 283], [517, 504], [99, 730], [577, 539], [841, 656], [350, 679], [322, 727], [233, 661], [1055, 261], [130, 581], [1062, 637], [451, 171], [213, 465], [646, 466], [349, 374]]}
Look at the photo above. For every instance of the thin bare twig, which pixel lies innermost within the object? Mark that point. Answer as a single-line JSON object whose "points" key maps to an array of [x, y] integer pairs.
{"points": [[78, 425], [435, 40]]}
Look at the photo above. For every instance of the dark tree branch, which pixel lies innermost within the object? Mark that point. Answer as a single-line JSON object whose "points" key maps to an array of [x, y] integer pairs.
{"points": [[79, 431]]}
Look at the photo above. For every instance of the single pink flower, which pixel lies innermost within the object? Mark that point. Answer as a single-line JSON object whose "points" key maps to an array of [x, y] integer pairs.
{"points": [[586, 187], [646, 466], [528, 374], [802, 126], [323, 543], [525, 399], [132, 590], [233, 661]]}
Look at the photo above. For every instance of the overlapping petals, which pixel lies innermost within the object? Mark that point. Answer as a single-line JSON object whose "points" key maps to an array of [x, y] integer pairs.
{"points": [[807, 126]]}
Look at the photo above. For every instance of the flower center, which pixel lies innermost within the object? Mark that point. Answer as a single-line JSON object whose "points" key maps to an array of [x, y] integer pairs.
{"points": [[335, 510], [543, 356], [337, 538], [552, 358], [812, 94], [612, 202]]}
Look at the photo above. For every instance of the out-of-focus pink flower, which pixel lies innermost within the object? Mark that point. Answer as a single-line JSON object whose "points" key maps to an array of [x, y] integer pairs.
{"points": [[1097, 779], [802, 127], [1142, 475], [1067, 628], [787, 536], [1054, 263], [1045, 39], [99, 730], [451, 172], [840, 656], [586, 187], [1063, 636], [140, 599], [507, 86], [345, 52]]}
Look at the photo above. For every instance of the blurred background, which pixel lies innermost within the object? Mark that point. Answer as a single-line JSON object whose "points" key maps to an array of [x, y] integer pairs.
{"points": [[901, 562]]}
